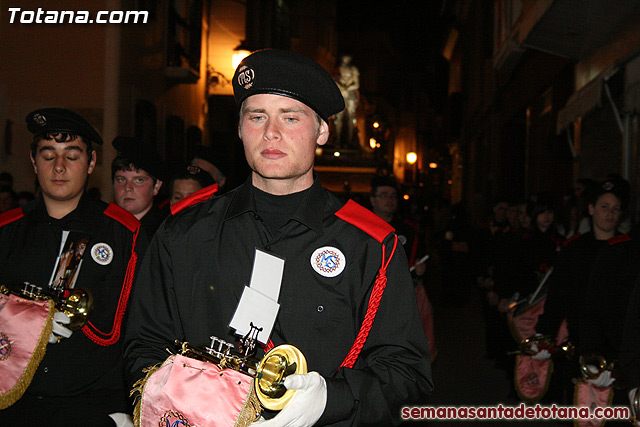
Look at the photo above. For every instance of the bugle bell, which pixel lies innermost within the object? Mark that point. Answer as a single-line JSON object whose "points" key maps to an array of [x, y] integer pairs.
{"points": [[592, 365]]}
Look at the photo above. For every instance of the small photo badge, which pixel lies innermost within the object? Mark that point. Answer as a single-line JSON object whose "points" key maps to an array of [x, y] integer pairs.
{"points": [[73, 245], [328, 261]]}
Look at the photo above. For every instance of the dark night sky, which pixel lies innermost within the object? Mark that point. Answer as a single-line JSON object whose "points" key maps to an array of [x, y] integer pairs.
{"points": [[409, 23], [402, 40]]}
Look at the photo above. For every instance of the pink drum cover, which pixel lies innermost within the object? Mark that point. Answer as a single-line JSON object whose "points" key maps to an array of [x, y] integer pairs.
{"points": [[532, 378], [25, 327], [195, 392]]}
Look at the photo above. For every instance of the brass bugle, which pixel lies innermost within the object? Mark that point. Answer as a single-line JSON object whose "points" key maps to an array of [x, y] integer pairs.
{"points": [[596, 360], [268, 373], [77, 305]]}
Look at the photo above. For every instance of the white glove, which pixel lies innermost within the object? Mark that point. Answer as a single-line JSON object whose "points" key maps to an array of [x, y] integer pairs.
{"points": [[59, 331], [539, 354], [121, 419], [603, 380], [542, 355], [306, 406]]}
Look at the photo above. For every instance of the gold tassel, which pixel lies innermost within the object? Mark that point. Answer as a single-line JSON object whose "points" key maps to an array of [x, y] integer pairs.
{"points": [[138, 387], [9, 398], [250, 410]]}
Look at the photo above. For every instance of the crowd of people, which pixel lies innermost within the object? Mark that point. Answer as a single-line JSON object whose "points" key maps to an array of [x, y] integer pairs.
{"points": [[557, 276]]}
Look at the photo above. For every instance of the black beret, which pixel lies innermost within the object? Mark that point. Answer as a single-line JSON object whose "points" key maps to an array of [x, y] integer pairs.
{"points": [[207, 154], [60, 120], [290, 74], [619, 187], [142, 156]]}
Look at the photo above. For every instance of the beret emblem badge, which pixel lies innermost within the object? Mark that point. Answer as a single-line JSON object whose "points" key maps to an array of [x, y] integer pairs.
{"points": [[608, 185], [246, 76], [39, 119]]}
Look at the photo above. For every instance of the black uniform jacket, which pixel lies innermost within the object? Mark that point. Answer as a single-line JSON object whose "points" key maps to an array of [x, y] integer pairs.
{"points": [[200, 259], [610, 288], [567, 285], [29, 247]]}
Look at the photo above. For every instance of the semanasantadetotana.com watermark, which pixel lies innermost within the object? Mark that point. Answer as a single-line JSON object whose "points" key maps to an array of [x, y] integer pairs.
{"points": [[42, 16]]}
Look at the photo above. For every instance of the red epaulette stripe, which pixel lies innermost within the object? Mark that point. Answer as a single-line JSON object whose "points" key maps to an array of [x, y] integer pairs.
{"points": [[620, 238], [10, 216], [194, 198], [571, 239], [123, 216], [365, 220]]}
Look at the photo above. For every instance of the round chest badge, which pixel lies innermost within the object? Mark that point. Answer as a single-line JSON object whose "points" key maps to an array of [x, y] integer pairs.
{"points": [[402, 239], [102, 253], [328, 261]]}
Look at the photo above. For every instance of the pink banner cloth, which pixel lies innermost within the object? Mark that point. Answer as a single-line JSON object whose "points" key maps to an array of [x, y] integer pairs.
{"points": [[591, 396], [22, 345], [426, 316], [563, 332], [532, 377], [525, 323], [194, 392]]}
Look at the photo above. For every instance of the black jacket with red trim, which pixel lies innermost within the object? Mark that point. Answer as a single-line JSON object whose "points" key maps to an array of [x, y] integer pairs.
{"points": [[613, 277], [200, 259], [89, 363], [567, 285]]}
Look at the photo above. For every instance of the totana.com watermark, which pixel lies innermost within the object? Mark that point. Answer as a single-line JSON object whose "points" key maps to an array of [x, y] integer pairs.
{"points": [[42, 16]]}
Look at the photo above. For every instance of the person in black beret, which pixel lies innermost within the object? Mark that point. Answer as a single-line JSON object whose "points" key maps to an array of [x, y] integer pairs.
{"points": [[205, 159], [79, 380], [187, 181], [138, 173], [337, 258]]}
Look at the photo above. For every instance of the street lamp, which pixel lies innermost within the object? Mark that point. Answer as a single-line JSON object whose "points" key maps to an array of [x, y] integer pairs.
{"points": [[412, 157]]}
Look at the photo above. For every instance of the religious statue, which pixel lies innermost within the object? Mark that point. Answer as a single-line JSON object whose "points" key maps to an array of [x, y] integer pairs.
{"points": [[348, 80]]}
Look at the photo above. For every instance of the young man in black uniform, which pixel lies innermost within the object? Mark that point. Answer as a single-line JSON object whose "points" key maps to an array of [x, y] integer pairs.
{"points": [[80, 381], [384, 203], [138, 173], [567, 285], [201, 258]]}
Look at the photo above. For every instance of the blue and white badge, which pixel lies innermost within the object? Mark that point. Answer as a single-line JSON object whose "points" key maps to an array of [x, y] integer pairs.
{"points": [[102, 253], [328, 261]]}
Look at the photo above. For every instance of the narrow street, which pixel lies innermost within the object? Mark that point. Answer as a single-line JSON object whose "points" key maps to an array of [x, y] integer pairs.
{"points": [[462, 375]]}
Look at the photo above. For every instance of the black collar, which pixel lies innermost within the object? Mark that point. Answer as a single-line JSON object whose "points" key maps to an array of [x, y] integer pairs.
{"points": [[310, 211]]}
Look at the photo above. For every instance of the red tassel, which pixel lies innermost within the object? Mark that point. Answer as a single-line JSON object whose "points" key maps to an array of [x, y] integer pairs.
{"points": [[107, 339], [372, 310]]}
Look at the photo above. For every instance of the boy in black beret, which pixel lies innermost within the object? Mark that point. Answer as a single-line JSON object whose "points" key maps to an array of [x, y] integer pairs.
{"points": [[337, 260], [138, 173], [79, 380], [205, 159]]}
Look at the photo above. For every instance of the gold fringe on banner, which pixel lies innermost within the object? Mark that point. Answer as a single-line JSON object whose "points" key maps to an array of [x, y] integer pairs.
{"points": [[9, 398]]}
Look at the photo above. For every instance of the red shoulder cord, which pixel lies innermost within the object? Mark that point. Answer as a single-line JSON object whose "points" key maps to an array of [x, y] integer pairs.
{"points": [[110, 338], [372, 309]]}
